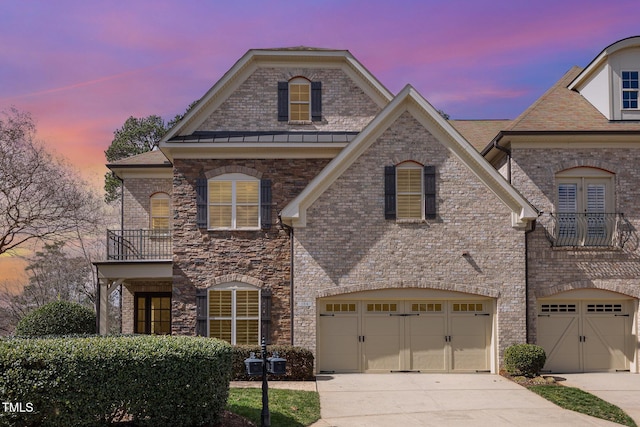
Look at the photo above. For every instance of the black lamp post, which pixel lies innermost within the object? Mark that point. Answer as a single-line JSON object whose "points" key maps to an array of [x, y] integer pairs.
{"points": [[273, 365]]}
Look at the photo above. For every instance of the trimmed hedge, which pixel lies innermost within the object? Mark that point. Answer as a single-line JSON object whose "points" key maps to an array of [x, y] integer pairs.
{"points": [[148, 380], [524, 359], [57, 318], [299, 362]]}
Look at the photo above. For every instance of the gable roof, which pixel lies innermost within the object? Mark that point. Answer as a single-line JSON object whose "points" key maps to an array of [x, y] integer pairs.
{"points": [[410, 100], [291, 57]]}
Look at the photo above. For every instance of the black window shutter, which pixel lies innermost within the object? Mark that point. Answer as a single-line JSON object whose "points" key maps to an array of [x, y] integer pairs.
{"points": [[265, 203], [283, 101], [430, 192], [201, 203], [390, 192], [316, 101], [265, 303], [201, 312]]}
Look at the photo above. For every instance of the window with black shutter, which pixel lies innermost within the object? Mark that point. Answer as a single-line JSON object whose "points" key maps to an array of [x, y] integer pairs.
{"points": [[410, 191], [299, 100], [233, 202]]}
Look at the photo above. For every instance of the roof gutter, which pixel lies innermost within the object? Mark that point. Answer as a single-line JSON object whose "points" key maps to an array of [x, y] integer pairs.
{"points": [[508, 153]]}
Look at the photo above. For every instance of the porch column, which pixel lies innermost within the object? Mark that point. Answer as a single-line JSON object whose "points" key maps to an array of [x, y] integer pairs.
{"points": [[106, 289]]}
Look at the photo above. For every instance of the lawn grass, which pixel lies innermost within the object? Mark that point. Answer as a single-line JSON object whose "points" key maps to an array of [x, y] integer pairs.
{"points": [[580, 401], [288, 408]]}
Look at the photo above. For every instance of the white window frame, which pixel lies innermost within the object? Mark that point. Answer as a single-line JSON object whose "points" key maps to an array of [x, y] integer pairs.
{"points": [[635, 90], [234, 287], [159, 196], [582, 177], [300, 81], [234, 178], [404, 166]]}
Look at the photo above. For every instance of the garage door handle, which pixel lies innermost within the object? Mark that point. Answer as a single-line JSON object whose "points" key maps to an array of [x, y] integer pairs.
{"points": [[326, 315], [621, 315], [482, 314]]}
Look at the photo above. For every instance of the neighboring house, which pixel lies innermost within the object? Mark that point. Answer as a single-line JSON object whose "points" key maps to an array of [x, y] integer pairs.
{"points": [[575, 155], [301, 202]]}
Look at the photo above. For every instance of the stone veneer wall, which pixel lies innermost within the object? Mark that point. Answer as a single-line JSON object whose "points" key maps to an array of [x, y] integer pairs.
{"points": [[137, 193], [348, 245], [254, 105], [129, 289], [205, 258], [554, 270]]}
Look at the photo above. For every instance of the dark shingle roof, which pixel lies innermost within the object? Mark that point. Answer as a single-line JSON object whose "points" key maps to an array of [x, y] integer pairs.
{"points": [[266, 136]]}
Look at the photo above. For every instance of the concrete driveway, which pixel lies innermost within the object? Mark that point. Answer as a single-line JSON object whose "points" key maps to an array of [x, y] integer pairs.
{"points": [[622, 389], [409, 399]]}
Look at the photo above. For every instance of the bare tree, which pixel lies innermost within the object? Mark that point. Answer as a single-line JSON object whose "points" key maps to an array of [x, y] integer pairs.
{"points": [[41, 197]]}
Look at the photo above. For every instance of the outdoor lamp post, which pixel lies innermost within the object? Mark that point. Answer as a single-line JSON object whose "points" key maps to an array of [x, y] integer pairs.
{"points": [[273, 365]]}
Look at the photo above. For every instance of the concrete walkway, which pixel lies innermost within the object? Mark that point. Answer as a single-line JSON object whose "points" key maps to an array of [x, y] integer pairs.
{"points": [[412, 400], [621, 389]]}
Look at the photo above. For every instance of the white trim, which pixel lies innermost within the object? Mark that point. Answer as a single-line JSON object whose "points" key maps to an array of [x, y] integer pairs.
{"points": [[233, 178], [233, 287], [601, 58]]}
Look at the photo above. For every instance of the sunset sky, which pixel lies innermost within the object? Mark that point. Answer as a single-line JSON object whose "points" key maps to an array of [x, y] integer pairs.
{"points": [[82, 67]]}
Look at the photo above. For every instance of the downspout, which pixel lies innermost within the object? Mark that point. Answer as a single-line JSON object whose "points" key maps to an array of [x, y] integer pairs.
{"points": [[121, 202], [508, 153], [526, 278], [291, 297]]}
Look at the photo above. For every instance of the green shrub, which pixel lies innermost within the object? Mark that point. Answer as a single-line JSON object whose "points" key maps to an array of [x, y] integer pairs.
{"points": [[524, 359], [299, 362], [57, 318], [148, 380]]}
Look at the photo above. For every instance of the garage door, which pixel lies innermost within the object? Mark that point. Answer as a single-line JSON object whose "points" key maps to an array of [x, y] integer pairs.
{"points": [[410, 335], [585, 336]]}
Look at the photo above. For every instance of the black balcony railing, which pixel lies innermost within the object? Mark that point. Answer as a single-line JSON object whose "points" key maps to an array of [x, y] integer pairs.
{"points": [[589, 229], [132, 245]]}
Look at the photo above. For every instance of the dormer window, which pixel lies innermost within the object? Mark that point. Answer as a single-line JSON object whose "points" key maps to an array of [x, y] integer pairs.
{"points": [[630, 89]]}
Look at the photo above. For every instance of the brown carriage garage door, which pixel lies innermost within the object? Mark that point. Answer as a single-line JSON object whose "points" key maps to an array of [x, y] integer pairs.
{"points": [[404, 335], [585, 335]]}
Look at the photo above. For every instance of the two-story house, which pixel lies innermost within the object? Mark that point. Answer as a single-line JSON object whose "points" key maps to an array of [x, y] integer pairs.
{"points": [[302, 202]]}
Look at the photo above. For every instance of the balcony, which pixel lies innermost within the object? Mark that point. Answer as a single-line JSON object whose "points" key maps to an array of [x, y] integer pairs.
{"points": [[610, 230], [135, 245]]}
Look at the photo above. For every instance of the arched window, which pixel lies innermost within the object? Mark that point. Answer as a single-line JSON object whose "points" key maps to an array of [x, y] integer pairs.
{"points": [[585, 207], [234, 313], [299, 99], [234, 202], [159, 211], [409, 191]]}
